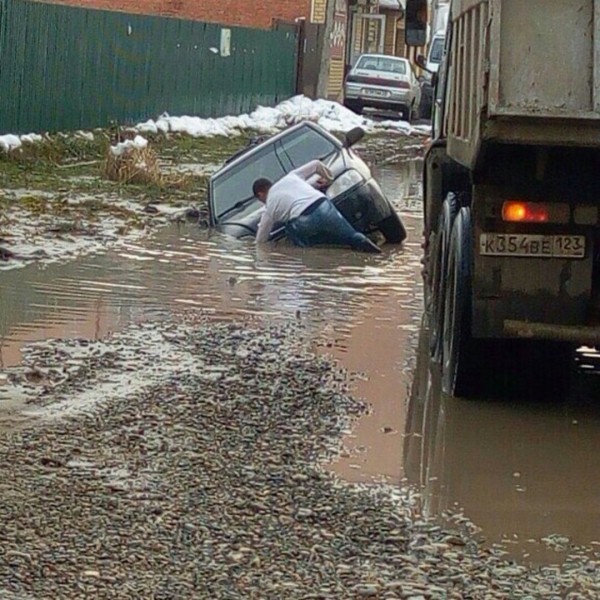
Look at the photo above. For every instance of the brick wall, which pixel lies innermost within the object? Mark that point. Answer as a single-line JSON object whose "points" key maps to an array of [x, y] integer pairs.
{"points": [[247, 13]]}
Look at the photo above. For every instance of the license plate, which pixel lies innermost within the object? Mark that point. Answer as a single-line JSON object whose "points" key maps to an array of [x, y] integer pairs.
{"points": [[533, 246], [376, 93]]}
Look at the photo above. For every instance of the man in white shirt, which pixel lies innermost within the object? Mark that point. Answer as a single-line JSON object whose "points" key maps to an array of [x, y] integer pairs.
{"points": [[310, 218]]}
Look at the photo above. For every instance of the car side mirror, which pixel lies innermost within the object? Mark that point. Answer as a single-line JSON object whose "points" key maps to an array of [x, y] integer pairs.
{"points": [[353, 136]]}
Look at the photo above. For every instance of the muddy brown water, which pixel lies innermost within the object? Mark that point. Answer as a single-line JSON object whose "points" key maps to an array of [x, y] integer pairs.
{"points": [[521, 471], [524, 469]]}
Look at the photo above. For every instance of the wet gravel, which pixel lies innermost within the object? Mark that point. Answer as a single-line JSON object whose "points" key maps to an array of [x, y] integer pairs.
{"points": [[198, 476]]}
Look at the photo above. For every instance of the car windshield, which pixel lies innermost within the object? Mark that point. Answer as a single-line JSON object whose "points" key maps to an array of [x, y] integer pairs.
{"points": [[306, 144], [437, 50], [234, 186], [382, 63]]}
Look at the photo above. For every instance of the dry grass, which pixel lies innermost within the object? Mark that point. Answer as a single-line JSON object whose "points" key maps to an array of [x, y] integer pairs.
{"points": [[135, 165]]}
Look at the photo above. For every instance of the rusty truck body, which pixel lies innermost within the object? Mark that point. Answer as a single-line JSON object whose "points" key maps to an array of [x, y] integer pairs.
{"points": [[512, 188]]}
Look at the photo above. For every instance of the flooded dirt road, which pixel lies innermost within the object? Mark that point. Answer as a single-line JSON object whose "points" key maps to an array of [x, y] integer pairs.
{"points": [[363, 310], [526, 474]]}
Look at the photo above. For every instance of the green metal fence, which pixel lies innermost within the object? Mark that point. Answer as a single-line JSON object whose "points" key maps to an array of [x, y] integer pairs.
{"points": [[64, 68]]}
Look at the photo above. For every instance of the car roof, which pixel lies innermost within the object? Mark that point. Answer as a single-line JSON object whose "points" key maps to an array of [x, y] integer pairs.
{"points": [[272, 140], [400, 58]]}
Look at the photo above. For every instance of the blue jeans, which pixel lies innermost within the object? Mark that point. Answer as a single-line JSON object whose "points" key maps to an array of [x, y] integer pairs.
{"points": [[323, 224]]}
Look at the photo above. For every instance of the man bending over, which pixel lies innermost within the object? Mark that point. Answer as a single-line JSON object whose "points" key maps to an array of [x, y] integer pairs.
{"points": [[297, 200]]}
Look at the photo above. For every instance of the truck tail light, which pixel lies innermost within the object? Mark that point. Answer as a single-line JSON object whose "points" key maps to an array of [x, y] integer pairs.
{"points": [[519, 211], [515, 211]]}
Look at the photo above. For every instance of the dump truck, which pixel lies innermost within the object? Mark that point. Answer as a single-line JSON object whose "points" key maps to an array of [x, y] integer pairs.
{"points": [[511, 186]]}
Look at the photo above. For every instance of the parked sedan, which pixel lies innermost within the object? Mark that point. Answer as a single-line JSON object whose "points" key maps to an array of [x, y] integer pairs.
{"points": [[236, 211], [384, 82]]}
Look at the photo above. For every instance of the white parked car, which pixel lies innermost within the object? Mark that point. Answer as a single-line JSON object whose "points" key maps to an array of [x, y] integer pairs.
{"points": [[383, 82]]}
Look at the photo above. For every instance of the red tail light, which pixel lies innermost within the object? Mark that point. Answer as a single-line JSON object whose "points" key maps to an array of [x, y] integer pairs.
{"points": [[519, 211], [398, 84], [515, 211]]}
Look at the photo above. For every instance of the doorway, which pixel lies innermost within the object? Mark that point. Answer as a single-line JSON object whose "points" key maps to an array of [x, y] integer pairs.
{"points": [[368, 35]]}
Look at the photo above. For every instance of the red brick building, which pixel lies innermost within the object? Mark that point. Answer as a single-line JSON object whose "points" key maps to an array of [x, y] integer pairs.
{"points": [[246, 13]]}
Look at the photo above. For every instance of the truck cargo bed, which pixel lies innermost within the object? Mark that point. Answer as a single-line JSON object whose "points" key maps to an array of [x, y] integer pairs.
{"points": [[526, 72]]}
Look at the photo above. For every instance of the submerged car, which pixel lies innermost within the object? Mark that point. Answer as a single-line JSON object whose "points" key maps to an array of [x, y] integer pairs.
{"points": [[383, 82], [234, 210]]}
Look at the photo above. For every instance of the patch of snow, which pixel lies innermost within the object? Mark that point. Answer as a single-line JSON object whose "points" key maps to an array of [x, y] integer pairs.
{"points": [[86, 135], [191, 168], [424, 129], [138, 143], [332, 116], [19, 193], [31, 138], [10, 142]]}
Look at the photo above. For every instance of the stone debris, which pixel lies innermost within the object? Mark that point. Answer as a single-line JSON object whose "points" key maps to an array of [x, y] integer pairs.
{"points": [[205, 482]]}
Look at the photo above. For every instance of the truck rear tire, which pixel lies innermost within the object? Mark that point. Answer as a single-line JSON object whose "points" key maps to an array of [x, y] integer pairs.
{"points": [[491, 367], [461, 361], [437, 271]]}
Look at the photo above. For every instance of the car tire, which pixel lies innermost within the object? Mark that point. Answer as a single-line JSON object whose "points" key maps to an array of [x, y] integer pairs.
{"points": [[392, 228], [354, 105]]}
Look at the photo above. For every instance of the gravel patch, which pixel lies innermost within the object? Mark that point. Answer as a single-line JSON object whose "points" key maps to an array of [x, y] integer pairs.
{"points": [[196, 474]]}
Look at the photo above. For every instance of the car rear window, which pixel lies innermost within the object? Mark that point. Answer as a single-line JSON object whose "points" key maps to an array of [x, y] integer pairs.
{"points": [[382, 63], [306, 144], [236, 184]]}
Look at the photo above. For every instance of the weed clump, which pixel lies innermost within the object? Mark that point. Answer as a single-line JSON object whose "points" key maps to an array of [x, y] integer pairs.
{"points": [[133, 161]]}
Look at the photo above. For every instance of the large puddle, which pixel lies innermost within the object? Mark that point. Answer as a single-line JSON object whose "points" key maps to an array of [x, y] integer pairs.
{"points": [[363, 309], [524, 469], [521, 472]]}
